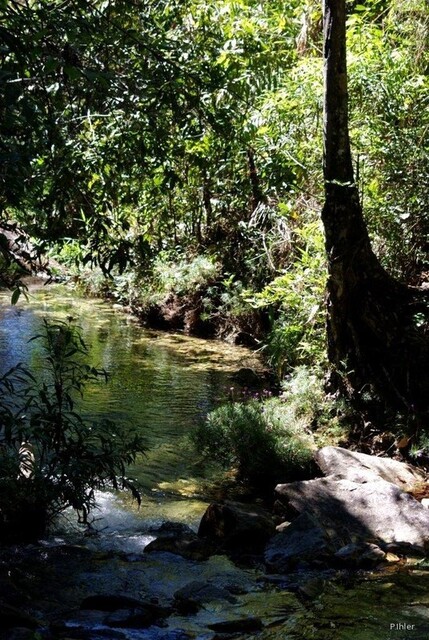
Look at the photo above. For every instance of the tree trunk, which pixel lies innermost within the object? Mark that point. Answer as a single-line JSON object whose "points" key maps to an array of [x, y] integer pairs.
{"points": [[373, 341]]}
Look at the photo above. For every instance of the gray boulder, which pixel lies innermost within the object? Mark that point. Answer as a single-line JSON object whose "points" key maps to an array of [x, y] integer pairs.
{"points": [[237, 527], [304, 540], [357, 503], [362, 468]]}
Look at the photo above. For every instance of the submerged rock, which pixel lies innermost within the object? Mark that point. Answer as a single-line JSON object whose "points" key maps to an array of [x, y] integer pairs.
{"points": [[191, 597]]}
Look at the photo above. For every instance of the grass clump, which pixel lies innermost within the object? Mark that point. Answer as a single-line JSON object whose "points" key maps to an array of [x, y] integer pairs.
{"points": [[268, 440]]}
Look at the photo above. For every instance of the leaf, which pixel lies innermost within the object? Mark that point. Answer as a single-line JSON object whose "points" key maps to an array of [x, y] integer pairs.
{"points": [[15, 296]]}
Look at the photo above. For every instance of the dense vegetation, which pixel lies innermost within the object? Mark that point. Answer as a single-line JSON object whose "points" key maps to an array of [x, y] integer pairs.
{"points": [[171, 155]]}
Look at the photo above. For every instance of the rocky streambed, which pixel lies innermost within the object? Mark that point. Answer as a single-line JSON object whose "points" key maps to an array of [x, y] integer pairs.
{"points": [[341, 556]]}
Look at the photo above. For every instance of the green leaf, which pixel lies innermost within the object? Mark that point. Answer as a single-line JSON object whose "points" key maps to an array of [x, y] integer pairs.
{"points": [[15, 296]]}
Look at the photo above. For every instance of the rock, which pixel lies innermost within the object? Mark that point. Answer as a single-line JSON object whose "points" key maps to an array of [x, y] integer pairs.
{"points": [[361, 468], [302, 541], [376, 510], [392, 557], [188, 545], [191, 597], [133, 612], [237, 527], [360, 555], [13, 617], [311, 589], [242, 625], [247, 376]]}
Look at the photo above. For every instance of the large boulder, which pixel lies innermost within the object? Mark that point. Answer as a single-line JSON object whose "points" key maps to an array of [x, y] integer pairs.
{"points": [[186, 544], [361, 468], [358, 504], [237, 527], [303, 541]]}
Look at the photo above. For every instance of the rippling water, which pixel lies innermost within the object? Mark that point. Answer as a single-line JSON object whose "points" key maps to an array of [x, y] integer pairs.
{"points": [[162, 382]]}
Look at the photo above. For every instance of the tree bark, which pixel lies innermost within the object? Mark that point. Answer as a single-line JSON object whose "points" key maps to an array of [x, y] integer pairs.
{"points": [[373, 341]]}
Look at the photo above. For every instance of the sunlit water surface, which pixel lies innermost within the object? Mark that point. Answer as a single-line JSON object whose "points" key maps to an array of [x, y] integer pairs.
{"points": [[162, 383]]}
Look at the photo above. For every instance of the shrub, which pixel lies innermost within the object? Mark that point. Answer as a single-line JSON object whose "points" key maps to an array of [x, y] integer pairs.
{"points": [[295, 303], [254, 438], [51, 458], [183, 276], [272, 439]]}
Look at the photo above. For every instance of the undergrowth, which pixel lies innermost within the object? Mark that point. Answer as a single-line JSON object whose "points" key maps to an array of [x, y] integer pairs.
{"points": [[268, 440]]}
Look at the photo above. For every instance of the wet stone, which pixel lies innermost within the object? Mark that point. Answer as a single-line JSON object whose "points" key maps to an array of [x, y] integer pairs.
{"points": [[241, 625], [303, 541], [360, 554], [17, 633], [237, 527], [187, 545], [191, 597], [130, 619]]}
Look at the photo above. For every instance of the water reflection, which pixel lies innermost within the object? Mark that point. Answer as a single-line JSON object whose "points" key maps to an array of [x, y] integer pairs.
{"points": [[162, 383]]}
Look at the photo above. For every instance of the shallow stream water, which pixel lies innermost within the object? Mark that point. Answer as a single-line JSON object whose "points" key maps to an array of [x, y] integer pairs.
{"points": [[165, 383]]}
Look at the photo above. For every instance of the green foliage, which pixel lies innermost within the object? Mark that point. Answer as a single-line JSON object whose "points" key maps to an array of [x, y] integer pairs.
{"points": [[173, 147], [272, 439], [183, 276], [252, 437], [389, 88], [296, 302], [51, 457]]}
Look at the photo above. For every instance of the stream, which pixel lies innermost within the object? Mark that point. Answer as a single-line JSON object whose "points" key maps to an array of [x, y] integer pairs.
{"points": [[165, 383]]}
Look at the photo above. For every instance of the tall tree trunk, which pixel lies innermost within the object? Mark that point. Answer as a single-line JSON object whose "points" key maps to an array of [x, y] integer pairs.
{"points": [[373, 341]]}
